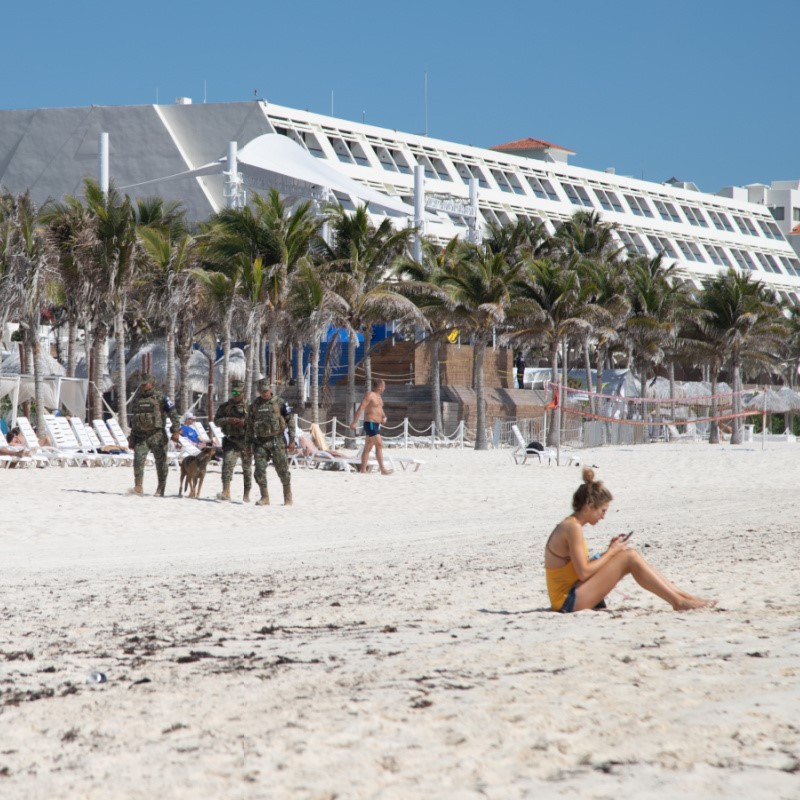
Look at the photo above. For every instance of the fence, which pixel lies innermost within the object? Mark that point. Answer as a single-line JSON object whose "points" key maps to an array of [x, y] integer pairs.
{"points": [[402, 435]]}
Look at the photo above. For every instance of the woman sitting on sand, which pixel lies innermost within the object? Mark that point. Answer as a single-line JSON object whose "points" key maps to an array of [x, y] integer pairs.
{"points": [[575, 583]]}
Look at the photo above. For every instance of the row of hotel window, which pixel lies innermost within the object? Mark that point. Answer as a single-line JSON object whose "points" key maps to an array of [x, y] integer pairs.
{"points": [[693, 251], [392, 159]]}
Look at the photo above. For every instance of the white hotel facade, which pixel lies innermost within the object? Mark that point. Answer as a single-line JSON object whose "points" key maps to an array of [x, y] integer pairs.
{"points": [[182, 152]]}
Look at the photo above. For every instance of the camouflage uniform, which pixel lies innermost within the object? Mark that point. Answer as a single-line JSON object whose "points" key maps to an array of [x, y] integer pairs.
{"points": [[149, 412], [232, 417], [265, 430]]}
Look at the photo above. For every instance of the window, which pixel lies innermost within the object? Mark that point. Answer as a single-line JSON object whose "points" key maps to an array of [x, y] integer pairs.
{"points": [[513, 182], [792, 265], [663, 245], [720, 220], [768, 262], [718, 255], [441, 170], [695, 216], [796, 214], [542, 188], [667, 211], [401, 162], [633, 243], [745, 225], [577, 194], [609, 200], [638, 205], [778, 212]]}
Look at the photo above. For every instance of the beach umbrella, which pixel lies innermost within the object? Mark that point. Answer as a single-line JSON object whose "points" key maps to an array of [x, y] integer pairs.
{"points": [[10, 365], [198, 369], [772, 401]]}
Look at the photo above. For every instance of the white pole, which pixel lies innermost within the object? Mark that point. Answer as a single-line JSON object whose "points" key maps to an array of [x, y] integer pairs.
{"points": [[405, 432], [232, 176], [102, 163], [473, 204], [419, 208], [461, 433], [433, 434], [333, 433], [764, 421]]}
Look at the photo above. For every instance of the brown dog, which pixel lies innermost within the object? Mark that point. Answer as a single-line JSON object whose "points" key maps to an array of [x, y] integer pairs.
{"points": [[193, 470]]}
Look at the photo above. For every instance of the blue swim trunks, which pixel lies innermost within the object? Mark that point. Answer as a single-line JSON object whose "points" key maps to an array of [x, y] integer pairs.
{"points": [[569, 603], [372, 428]]}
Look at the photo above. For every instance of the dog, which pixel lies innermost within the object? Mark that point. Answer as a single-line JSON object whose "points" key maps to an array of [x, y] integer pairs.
{"points": [[193, 471]]}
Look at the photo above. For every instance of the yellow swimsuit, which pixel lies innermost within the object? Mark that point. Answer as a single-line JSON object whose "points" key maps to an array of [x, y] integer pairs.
{"points": [[561, 579]]}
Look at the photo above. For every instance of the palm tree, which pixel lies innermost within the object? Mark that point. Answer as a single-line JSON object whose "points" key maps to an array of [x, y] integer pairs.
{"points": [[27, 264], [68, 224], [657, 302], [357, 260], [314, 308], [421, 281], [547, 306], [169, 277], [739, 322], [480, 286], [116, 258]]}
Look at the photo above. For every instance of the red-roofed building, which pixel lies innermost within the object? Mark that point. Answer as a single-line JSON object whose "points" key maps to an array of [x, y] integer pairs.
{"points": [[535, 148]]}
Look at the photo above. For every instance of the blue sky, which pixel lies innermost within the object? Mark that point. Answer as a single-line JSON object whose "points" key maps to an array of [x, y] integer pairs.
{"points": [[702, 90]]}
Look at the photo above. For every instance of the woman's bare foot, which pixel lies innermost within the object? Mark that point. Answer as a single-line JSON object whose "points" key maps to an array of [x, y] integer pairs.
{"points": [[690, 603]]}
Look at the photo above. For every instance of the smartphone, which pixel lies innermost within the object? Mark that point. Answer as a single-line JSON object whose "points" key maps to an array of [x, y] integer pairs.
{"points": [[626, 536]]}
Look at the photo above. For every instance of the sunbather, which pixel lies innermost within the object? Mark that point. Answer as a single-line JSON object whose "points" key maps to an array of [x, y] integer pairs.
{"points": [[575, 583]]}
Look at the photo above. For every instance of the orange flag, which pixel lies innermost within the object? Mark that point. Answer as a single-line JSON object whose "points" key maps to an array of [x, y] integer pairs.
{"points": [[554, 402]]}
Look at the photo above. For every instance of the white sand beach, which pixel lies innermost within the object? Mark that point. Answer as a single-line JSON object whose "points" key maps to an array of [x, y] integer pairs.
{"points": [[388, 637]]}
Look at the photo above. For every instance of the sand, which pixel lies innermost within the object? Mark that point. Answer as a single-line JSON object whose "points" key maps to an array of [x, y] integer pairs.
{"points": [[388, 637]]}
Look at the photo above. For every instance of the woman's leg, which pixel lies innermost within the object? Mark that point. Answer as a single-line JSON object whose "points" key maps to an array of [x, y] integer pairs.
{"points": [[630, 562]]}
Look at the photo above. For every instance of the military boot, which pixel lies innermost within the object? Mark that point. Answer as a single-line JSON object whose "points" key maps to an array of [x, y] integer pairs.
{"points": [[264, 501], [287, 495], [137, 489], [159, 492], [225, 494], [246, 496]]}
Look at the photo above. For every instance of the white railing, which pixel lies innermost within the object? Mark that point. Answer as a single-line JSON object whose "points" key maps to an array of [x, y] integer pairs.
{"points": [[402, 435]]}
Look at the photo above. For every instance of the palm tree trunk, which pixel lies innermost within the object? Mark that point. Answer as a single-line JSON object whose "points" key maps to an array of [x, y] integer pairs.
{"points": [[171, 377], [672, 390], [555, 413], [72, 340], [314, 378], [183, 357], [248, 372], [122, 384], [713, 432], [298, 371], [352, 344], [210, 395], [736, 422], [480, 410], [436, 383], [587, 365], [38, 375], [88, 347], [99, 368], [368, 357], [226, 353]]}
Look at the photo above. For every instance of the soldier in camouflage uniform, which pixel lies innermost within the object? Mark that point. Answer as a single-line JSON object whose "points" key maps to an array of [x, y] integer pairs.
{"points": [[149, 412], [269, 418], [232, 417]]}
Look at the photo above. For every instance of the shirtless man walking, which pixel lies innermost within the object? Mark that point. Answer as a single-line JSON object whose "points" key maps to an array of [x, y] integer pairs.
{"points": [[372, 406]]}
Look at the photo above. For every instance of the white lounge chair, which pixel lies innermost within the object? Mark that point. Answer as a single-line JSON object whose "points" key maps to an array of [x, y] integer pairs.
{"points": [[62, 436], [41, 456], [521, 453], [82, 434]]}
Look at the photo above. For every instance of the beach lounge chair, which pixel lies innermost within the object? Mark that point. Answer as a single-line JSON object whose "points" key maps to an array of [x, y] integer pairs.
{"points": [[521, 453], [89, 445], [41, 456], [116, 431], [60, 433]]}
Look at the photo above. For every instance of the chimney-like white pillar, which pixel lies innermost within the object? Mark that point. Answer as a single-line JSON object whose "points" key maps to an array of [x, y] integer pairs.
{"points": [[102, 162], [473, 204], [419, 209], [232, 176]]}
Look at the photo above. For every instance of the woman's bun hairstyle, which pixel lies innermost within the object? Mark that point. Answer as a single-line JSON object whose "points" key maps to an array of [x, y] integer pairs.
{"points": [[590, 492]]}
